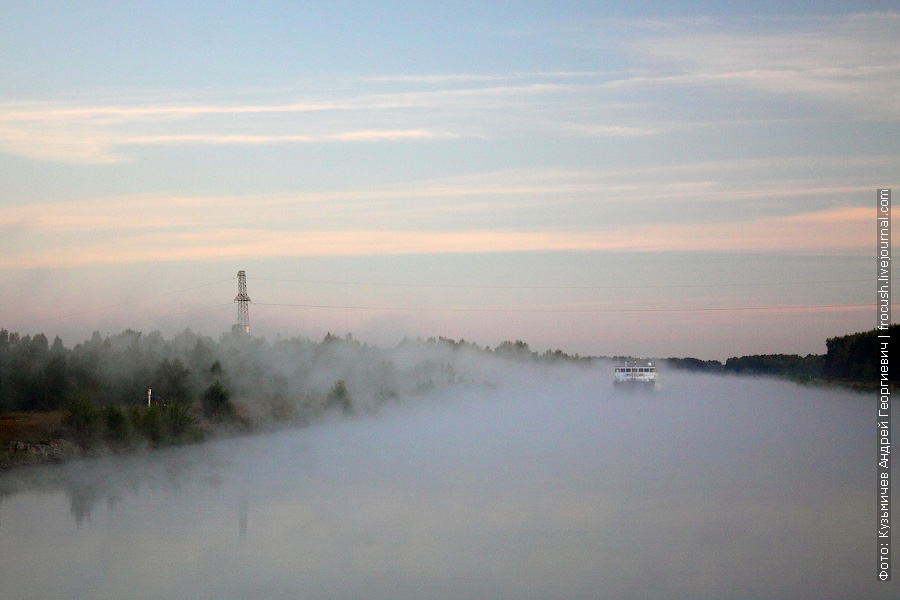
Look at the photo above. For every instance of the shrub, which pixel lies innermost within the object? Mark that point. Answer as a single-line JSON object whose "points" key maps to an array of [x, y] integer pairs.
{"points": [[149, 423], [178, 422]]}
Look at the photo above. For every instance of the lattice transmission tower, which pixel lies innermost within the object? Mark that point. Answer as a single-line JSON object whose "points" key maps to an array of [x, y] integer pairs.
{"points": [[243, 301]]}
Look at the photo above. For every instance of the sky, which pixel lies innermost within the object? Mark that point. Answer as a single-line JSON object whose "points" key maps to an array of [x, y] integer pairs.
{"points": [[651, 180]]}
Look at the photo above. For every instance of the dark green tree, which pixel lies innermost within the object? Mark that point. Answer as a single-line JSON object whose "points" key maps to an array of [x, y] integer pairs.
{"points": [[217, 404], [118, 427], [173, 381], [517, 350], [84, 420], [55, 384], [339, 396]]}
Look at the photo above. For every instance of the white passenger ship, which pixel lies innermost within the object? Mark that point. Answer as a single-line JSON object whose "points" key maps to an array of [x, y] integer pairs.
{"points": [[633, 372]]}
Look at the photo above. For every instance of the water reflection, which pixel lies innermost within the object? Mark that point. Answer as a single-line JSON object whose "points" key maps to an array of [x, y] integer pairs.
{"points": [[242, 519], [108, 480], [712, 488]]}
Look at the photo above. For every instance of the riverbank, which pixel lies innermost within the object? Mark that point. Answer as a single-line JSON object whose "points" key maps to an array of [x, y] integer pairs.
{"points": [[33, 438], [28, 439], [863, 387]]}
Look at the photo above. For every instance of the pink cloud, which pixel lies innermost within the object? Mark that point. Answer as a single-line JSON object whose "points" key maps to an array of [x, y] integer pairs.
{"points": [[835, 231]]}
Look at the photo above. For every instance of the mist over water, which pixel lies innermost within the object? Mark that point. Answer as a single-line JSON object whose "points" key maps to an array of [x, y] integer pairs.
{"points": [[521, 482]]}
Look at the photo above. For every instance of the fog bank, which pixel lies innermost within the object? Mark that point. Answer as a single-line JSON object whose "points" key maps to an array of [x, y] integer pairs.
{"points": [[517, 481]]}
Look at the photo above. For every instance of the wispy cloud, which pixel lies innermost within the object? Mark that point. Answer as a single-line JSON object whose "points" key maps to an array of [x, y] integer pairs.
{"points": [[539, 198], [98, 133], [490, 77], [239, 140], [836, 231], [844, 61], [850, 64], [377, 135]]}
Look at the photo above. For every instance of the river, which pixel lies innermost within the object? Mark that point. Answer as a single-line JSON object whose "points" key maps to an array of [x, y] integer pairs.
{"points": [[545, 485]]}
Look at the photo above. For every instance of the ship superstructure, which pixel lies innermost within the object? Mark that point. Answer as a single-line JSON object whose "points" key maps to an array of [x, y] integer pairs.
{"points": [[635, 372]]}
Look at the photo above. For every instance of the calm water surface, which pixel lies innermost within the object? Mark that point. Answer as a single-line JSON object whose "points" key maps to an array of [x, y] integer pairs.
{"points": [[547, 486]]}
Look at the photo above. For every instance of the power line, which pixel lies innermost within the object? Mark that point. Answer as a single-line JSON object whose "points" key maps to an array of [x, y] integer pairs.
{"points": [[569, 310], [486, 310], [205, 309], [557, 287], [562, 310], [145, 299]]}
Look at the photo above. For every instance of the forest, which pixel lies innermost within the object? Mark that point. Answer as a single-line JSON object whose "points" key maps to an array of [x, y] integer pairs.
{"points": [[133, 388], [39, 375], [852, 359], [856, 357], [298, 377], [778, 365]]}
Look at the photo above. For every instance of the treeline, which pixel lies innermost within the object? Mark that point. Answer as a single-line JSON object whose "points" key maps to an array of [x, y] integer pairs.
{"points": [[301, 379], [853, 358], [36, 375], [517, 351], [783, 365], [857, 357], [292, 378]]}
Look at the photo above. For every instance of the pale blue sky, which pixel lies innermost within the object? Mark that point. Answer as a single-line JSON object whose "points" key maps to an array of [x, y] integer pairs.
{"points": [[565, 176]]}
